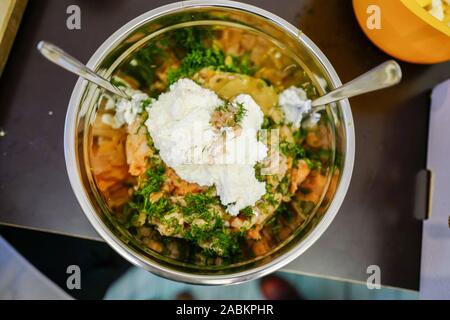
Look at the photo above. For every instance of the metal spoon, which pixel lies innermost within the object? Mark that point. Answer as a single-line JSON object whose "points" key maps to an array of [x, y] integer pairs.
{"points": [[385, 75], [66, 61]]}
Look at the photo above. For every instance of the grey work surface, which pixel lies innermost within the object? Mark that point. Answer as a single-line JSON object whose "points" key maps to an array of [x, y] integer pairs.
{"points": [[375, 225]]}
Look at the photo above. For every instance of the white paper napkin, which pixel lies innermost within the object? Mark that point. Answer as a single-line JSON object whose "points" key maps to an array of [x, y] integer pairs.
{"points": [[20, 280], [435, 270]]}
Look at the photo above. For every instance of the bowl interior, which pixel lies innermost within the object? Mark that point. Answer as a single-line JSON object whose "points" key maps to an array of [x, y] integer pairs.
{"points": [[154, 26]]}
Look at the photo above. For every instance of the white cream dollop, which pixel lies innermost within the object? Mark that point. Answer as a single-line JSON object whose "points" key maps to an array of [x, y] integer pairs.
{"points": [[126, 111], [180, 125], [295, 104]]}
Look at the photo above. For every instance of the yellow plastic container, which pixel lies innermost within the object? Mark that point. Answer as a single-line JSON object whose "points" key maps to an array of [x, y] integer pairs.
{"points": [[408, 32]]}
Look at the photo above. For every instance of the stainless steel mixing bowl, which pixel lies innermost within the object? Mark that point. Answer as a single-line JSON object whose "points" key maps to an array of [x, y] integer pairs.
{"points": [[83, 105]]}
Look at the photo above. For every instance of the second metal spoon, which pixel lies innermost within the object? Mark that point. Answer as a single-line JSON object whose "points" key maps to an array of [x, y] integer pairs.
{"points": [[385, 75]]}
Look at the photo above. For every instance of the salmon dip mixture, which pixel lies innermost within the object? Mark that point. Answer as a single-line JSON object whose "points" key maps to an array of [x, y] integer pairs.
{"points": [[218, 156]]}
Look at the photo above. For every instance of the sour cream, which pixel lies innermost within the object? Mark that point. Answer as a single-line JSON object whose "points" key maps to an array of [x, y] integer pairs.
{"points": [[180, 125], [126, 111], [295, 105]]}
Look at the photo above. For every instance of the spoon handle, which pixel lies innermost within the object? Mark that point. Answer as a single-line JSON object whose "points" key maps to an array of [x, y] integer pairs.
{"points": [[66, 61], [383, 76]]}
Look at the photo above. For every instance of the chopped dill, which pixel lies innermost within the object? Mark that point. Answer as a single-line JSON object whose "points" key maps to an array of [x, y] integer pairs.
{"points": [[201, 57], [159, 208], [292, 150], [188, 39], [258, 174], [220, 238], [146, 102], [268, 123], [198, 205], [240, 114], [247, 212], [141, 197]]}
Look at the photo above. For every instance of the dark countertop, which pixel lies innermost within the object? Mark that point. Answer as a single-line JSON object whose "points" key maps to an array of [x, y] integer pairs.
{"points": [[375, 225]]}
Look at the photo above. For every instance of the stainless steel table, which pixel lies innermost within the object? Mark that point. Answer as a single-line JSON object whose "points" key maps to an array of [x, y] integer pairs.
{"points": [[375, 225]]}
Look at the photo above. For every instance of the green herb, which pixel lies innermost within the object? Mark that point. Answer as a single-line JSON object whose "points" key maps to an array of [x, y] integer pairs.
{"points": [[223, 108], [316, 158], [258, 174], [274, 222], [154, 182], [292, 150], [146, 102], [247, 212], [268, 123], [199, 206], [143, 64], [219, 238], [138, 219], [299, 135], [201, 57], [313, 164], [173, 224], [241, 112], [159, 208], [144, 117], [189, 39], [310, 89], [270, 198], [284, 185], [140, 201]]}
